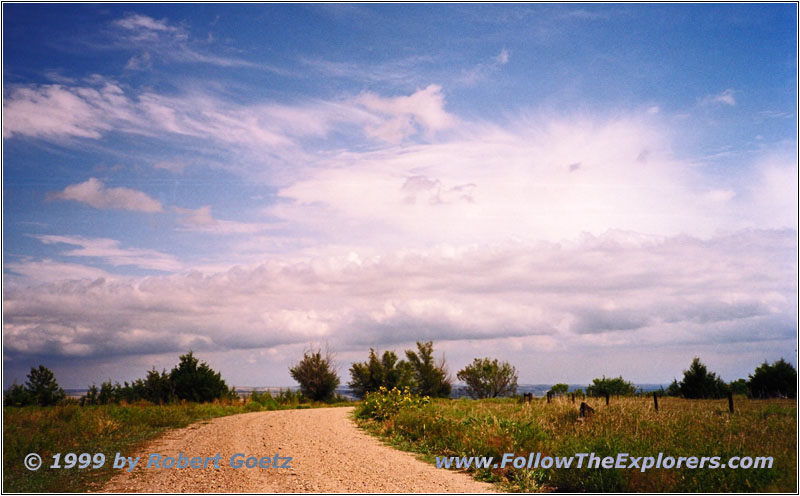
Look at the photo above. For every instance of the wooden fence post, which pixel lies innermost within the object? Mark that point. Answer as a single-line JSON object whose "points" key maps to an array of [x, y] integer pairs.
{"points": [[549, 393], [730, 401], [573, 397], [655, 400], [608, 397]]}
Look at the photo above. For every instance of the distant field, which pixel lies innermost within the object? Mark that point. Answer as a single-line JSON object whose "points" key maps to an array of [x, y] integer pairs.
{"points": [[103, 429], [628, 425]]}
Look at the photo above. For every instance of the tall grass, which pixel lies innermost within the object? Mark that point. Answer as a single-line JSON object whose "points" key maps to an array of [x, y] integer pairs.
{"points": [[106, 429], [628, 425]]}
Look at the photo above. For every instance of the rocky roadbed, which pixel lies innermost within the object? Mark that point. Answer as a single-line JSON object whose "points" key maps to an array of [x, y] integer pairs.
{"points": [[329, 454]]}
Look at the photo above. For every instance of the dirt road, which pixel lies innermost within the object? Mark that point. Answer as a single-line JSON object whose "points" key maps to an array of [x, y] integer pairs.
{"points": [[329, 454]]}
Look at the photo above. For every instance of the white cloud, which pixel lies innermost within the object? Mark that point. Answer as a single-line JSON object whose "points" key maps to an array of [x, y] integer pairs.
{"points": [[201, 220], [144, 28], [613, 293], [109, 251], [93, 192], [502, 57], [726, 98], [400, 117]]}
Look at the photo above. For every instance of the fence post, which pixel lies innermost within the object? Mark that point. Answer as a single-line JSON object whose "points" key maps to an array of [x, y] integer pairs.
{"points": [[549, 393], [730, 401], [573, 397], [608, 397], [655, 400]]}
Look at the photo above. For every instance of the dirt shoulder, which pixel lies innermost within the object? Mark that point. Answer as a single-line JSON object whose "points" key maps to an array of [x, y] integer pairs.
{"points": [[329, 454]]}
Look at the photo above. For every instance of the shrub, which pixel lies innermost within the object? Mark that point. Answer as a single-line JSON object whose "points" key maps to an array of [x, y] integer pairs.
{"points": [[316, 375], [616, 386], [487, 378], [17, 396], [384, 403]]}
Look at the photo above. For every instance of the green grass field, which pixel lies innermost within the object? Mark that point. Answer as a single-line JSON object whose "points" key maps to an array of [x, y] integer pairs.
{"points": [[628, 425], [103, 429]]}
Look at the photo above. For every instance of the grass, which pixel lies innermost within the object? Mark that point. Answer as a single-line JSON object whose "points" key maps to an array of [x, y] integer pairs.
{"points": [[106, 429], [628, 425]]}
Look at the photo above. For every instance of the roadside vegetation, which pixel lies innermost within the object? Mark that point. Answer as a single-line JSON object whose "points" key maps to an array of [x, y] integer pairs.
{"points": [[629, 424]]}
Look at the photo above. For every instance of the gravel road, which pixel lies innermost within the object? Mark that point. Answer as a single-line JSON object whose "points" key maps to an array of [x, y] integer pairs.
{"points": [[329, 454]]}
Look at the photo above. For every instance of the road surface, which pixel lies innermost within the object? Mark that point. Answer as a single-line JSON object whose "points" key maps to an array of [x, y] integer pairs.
{"points": [[329, 454]]}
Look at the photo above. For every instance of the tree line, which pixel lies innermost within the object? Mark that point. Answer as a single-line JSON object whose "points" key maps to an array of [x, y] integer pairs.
{"points": [[189, 380], [490, 378], [192, 380]]}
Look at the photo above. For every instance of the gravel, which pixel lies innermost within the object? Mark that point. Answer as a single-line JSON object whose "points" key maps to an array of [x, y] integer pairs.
{"points": [[329, 454]]}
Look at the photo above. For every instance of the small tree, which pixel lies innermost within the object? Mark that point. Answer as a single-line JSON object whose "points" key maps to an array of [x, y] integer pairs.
{"points": [[560, 388], [316, 375], [90, 398], [698, 382], [387, 371], [156, 387], [107, 393], [739, 386], [776, 380], [616, 386], [430, 378], [193, 380], [674, 388], [488, 378], [43, 388], [17, 395]]}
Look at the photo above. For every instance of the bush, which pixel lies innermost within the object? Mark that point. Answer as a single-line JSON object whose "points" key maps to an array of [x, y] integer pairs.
{"points": [[487, 378], [616, 386], [384, 403], [17, 396], [316, 375]]}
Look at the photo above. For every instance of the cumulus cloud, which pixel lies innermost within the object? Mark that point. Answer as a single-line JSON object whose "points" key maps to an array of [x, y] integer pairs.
{"points": [[93, 192], [595, 291]]}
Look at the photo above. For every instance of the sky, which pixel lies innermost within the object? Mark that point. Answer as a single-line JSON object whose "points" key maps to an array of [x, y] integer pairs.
{"points": [[577, 189]]}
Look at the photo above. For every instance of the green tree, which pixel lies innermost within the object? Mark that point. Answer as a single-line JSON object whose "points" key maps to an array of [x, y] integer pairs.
{"points": [[616, 386], [387, 371], [739, 386], [316, 375], [776, 380], [192, 380], [157, 388], [90, 398], [17, 395], [488, 378], [430, 378], [42, 387], [698, 382], [560, 388], [107, 393], [674, 388]]}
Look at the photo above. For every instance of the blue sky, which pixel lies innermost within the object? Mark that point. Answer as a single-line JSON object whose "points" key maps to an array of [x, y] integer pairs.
{"points": [[606, 184]]}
